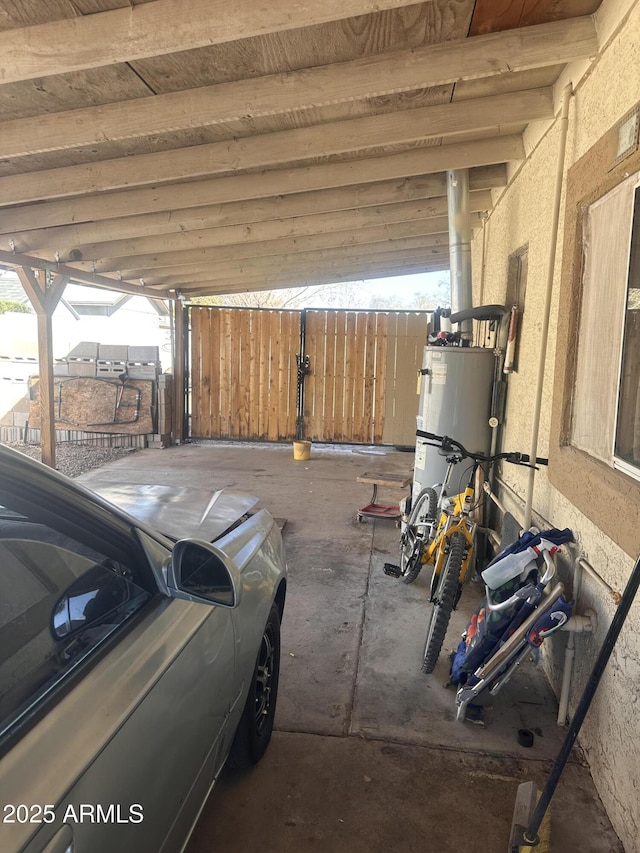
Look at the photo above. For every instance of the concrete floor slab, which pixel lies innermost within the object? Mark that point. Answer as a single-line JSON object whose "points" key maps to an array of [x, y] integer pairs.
{"points": [[395, 700], [367, 754], [313, 793]]}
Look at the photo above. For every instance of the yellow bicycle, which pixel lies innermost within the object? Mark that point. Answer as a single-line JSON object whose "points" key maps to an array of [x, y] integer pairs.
{"points": [[440, 531]]}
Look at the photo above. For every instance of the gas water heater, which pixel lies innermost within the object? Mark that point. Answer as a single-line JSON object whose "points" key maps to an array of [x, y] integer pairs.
{"points": [[455, 400]]}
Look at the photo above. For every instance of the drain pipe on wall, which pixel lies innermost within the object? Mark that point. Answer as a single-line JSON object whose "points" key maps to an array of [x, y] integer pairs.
{"points": [[579, 625], [535, 428], [570, 649]]}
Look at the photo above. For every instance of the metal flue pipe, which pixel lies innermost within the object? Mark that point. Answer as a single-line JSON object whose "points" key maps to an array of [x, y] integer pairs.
{"points": [[460, 244]]}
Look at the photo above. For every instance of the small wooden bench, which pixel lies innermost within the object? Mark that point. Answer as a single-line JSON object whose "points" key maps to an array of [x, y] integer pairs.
{"points": [[382, 478]]}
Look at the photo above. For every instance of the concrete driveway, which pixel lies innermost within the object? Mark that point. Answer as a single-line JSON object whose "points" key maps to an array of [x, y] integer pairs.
{"points": [[367, 754]]}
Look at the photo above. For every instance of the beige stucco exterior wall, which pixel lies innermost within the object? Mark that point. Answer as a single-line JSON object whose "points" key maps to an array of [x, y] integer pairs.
{"points": [[523, 215]]}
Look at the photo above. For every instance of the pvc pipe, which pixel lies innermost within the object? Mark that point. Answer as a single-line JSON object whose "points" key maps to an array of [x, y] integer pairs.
{"points": [[588, 568], [585, 624], [569, 654], [535, 425], [577, 625], [563, 704]]}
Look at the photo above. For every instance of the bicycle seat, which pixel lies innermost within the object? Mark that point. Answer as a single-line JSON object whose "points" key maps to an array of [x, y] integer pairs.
{"points": [[480, 312]]}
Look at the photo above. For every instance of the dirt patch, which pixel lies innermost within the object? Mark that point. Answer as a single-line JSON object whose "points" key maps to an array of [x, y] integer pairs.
{"points": [[75, 459]]}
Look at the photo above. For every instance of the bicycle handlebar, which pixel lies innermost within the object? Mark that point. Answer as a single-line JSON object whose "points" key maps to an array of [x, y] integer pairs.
{"points": [[450, 445]]}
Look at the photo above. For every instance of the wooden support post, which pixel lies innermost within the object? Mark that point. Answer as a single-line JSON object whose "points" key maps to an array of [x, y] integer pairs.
{"points": [[44, 292], [178, 371]]}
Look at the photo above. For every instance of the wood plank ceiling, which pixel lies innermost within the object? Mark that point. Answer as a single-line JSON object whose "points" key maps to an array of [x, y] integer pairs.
{"points": [[203, 146]]}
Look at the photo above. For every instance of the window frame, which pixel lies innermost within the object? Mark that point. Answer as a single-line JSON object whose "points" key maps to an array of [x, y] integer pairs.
{"points": [[77, 511], [617, 461], [608, 496]]}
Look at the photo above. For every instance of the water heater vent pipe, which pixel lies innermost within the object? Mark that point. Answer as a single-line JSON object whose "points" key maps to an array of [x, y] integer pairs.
{"points": [[458, 207]]}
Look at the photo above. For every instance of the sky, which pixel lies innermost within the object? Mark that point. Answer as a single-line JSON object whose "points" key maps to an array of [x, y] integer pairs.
{"points": [[397, 292], [403, 287]]}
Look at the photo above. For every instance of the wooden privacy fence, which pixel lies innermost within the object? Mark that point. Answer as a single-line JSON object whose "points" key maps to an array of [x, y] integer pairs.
{"points": [[361, 385]]}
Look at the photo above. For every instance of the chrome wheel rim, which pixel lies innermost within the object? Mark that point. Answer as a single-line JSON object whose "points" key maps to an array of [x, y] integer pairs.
{"points": [[264, 680]]}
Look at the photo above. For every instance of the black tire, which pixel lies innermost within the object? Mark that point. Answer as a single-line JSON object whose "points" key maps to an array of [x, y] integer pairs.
{"points": [[256, 724], [411, 549], [410, 557], [444, 602]]}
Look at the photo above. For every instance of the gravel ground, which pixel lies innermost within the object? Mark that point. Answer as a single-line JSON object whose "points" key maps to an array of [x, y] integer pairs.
{"points": [[75, 459]]}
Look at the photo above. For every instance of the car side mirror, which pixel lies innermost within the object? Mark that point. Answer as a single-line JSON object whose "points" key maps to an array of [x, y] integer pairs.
{"points": [[203, 573]]}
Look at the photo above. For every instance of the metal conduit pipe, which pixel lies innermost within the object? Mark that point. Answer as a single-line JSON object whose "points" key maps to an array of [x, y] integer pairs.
{"points": [[544, 335], [458, 208]]}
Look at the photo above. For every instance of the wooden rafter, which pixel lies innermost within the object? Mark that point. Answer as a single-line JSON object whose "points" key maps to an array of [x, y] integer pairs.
{"points": [[105, 255], [197, 143], [214, 255], [283, 147], [304, 279], [161, 27], [457, 155], [17, 262], [400, 251], [65, 237], [432, 65], [433, 231]]}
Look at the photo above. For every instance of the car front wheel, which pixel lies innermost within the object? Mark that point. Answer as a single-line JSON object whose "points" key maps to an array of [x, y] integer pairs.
{"points": [[256, 724]]}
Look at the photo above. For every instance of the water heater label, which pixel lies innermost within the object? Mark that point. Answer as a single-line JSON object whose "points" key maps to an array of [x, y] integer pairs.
{"points": [[439, 374], [421, 456]]}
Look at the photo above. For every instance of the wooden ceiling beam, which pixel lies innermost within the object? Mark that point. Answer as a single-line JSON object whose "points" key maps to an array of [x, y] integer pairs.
{"points": [[489, 154], [215, 254], [103, 254], [161, 27], [496, 112], [433, 65], [361, 273], [335, 259], [17, 261], [436, 230], [63, 238], [383, 237]]}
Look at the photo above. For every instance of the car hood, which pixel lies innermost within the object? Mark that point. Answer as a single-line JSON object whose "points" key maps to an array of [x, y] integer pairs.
{"points": [[180, 513]]}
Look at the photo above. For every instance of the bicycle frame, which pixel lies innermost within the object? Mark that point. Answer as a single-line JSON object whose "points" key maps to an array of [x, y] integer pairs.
{"points": [[456, 517], [444, 538]]}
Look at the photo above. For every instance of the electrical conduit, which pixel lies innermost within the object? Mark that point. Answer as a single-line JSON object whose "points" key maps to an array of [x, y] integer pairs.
{"points": [[544, 336]]}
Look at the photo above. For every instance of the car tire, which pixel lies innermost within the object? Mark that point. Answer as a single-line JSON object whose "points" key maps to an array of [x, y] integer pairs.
{"points": [[256, 724]]}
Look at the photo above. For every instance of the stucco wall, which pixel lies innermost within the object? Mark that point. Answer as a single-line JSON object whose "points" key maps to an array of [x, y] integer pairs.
{"points": [[611, 735]]}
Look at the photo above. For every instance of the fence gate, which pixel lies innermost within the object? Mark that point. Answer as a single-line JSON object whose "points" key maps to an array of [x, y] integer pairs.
{"points": [[344, 393], [243, 373], [360, 386]]}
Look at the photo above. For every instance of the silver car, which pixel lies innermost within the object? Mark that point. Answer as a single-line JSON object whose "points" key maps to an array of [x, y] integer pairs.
{"points": [[133, 663]]}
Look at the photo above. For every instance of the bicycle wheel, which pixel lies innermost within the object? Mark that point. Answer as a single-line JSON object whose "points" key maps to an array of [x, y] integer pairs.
{"points": [[410, 557], [411, 546], [444, 600]]}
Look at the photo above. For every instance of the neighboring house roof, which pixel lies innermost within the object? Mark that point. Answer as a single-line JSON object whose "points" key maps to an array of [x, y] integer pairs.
{"points": [[78, 300], [11, 289]]}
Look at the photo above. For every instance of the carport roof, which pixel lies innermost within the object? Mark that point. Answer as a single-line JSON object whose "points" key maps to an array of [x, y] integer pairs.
{"points": [[202, 146]]}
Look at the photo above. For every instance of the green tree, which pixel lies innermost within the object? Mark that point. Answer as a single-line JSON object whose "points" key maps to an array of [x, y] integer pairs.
{"points": [[8, 306]]}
